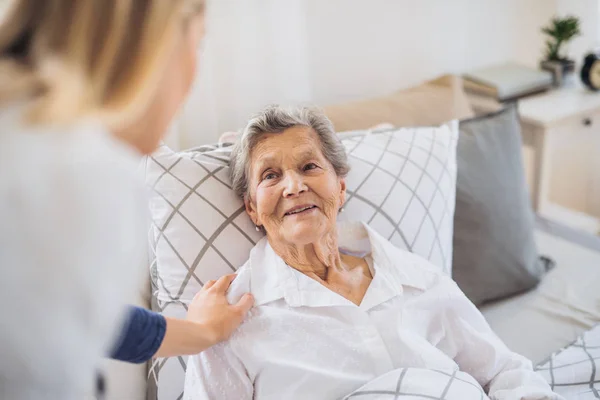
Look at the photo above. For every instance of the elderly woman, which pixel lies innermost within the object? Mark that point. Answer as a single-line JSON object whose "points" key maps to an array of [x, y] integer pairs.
{"points": [[336, 306]]}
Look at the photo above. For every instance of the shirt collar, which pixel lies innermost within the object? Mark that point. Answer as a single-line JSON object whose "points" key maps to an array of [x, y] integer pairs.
{"points": [[272, 279]]}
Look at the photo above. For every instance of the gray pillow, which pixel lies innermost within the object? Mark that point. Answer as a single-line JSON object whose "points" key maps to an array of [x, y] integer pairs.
{"points": [[495, 254]]}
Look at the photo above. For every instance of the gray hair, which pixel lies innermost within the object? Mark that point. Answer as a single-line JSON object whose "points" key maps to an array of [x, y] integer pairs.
{"points": [[276, 119]]}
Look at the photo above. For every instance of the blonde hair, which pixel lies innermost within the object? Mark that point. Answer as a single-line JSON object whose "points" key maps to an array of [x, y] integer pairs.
{"points": [[76, 58]]}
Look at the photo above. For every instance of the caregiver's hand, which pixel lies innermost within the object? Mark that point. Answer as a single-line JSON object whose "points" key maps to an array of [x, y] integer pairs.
{"points": [[211, 310], [210, 320]]}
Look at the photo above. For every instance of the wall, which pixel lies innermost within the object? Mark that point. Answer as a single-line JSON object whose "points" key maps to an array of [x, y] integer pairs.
{"points": [[360, 48], [296, 51], [588, 12]]}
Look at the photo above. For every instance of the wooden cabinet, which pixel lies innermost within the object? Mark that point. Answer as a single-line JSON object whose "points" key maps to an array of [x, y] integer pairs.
{"points": [[561, 135], [561, 153]]}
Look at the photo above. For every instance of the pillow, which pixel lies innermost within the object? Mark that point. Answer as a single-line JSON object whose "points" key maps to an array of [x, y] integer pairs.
{"points": [[402, 182], [495, 254], [196, 222], [429, 104], [572, 371]]}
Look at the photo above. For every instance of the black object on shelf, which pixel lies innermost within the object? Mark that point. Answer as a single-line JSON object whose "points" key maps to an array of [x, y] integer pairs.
{"points": [[590, 72]]}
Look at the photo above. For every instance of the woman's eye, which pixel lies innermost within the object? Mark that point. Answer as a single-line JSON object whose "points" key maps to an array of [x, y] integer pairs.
{"points": [[270, 175], [310, 166]]}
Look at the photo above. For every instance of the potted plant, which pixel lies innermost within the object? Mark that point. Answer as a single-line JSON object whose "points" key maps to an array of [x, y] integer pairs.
{"points": [[561, 31]]}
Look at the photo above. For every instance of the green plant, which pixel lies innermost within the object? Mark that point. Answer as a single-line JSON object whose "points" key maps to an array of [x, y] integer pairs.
{"points": [[560, 30]]}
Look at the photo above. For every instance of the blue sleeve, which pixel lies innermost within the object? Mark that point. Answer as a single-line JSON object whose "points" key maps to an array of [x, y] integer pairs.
{"points": [[142, 335]]}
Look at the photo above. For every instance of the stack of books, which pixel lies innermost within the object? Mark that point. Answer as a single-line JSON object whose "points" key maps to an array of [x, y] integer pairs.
{"points": [[507, 82]]}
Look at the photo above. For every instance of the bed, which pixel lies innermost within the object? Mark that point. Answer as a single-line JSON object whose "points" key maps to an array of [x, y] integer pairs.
{"points": [[566, 303], [551, 317], [536, 324]]}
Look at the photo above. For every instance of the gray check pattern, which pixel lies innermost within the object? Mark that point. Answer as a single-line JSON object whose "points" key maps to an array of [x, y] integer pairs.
{"points": [[420, 384], [196, 219], [574, 372], [402, 182]]}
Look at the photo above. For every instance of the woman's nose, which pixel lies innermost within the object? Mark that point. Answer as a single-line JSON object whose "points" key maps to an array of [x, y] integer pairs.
{"points": [[293, 184]]}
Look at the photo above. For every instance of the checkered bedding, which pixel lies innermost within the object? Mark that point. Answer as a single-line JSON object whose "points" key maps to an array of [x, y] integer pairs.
{"points": [[574, 372], [419, 384]]}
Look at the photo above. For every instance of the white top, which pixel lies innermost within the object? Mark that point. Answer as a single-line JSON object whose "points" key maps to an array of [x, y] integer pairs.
{"points": [[303, 341], [72, 244]]}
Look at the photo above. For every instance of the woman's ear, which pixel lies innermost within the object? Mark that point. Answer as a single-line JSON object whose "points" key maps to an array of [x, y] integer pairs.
{"points": [[251, 210], [342, 192]]}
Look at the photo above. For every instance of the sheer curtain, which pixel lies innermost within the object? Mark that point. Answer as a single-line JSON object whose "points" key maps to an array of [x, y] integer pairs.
{"points": [[255, 53]]}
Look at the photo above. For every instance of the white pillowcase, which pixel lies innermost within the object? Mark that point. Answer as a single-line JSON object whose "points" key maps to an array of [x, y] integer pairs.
{"points": [[199, 232], [402, 182]]}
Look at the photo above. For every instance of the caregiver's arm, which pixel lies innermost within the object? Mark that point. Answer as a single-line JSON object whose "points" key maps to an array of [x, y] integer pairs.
{"points": [[210, 320], [142, 334], [479, 352]]}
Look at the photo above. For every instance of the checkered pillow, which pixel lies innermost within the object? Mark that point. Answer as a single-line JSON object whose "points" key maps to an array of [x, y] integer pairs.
{"points": [[402, 182], [199, 232], [574, 372]]}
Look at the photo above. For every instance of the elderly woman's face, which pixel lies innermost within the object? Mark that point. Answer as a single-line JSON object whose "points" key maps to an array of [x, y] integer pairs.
{"points": [[295, 193]]}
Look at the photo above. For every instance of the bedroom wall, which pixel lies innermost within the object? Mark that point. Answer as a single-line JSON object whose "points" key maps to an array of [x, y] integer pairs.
{"points": [[360, 50], [263, 51], [589, 13]]}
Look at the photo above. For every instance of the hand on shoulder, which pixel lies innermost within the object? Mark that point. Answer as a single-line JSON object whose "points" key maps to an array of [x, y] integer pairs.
{"points": [[211, 309]]}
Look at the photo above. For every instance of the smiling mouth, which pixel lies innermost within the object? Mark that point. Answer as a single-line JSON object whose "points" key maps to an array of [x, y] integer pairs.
{"points": [[300, 210]]}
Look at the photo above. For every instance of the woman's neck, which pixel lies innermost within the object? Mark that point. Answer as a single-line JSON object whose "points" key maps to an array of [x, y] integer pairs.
{"points": [[313, 259], [345, 275]]}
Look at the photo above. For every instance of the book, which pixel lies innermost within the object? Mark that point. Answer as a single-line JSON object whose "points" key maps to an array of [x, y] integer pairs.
{"points": [[507, 81]]}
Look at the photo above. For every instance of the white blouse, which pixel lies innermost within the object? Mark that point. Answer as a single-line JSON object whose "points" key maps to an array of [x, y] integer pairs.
{"points": [[72, 246], [303, 341]]}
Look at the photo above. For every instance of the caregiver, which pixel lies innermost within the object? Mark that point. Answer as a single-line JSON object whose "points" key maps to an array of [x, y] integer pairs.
{"points": [[86, 88]]}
